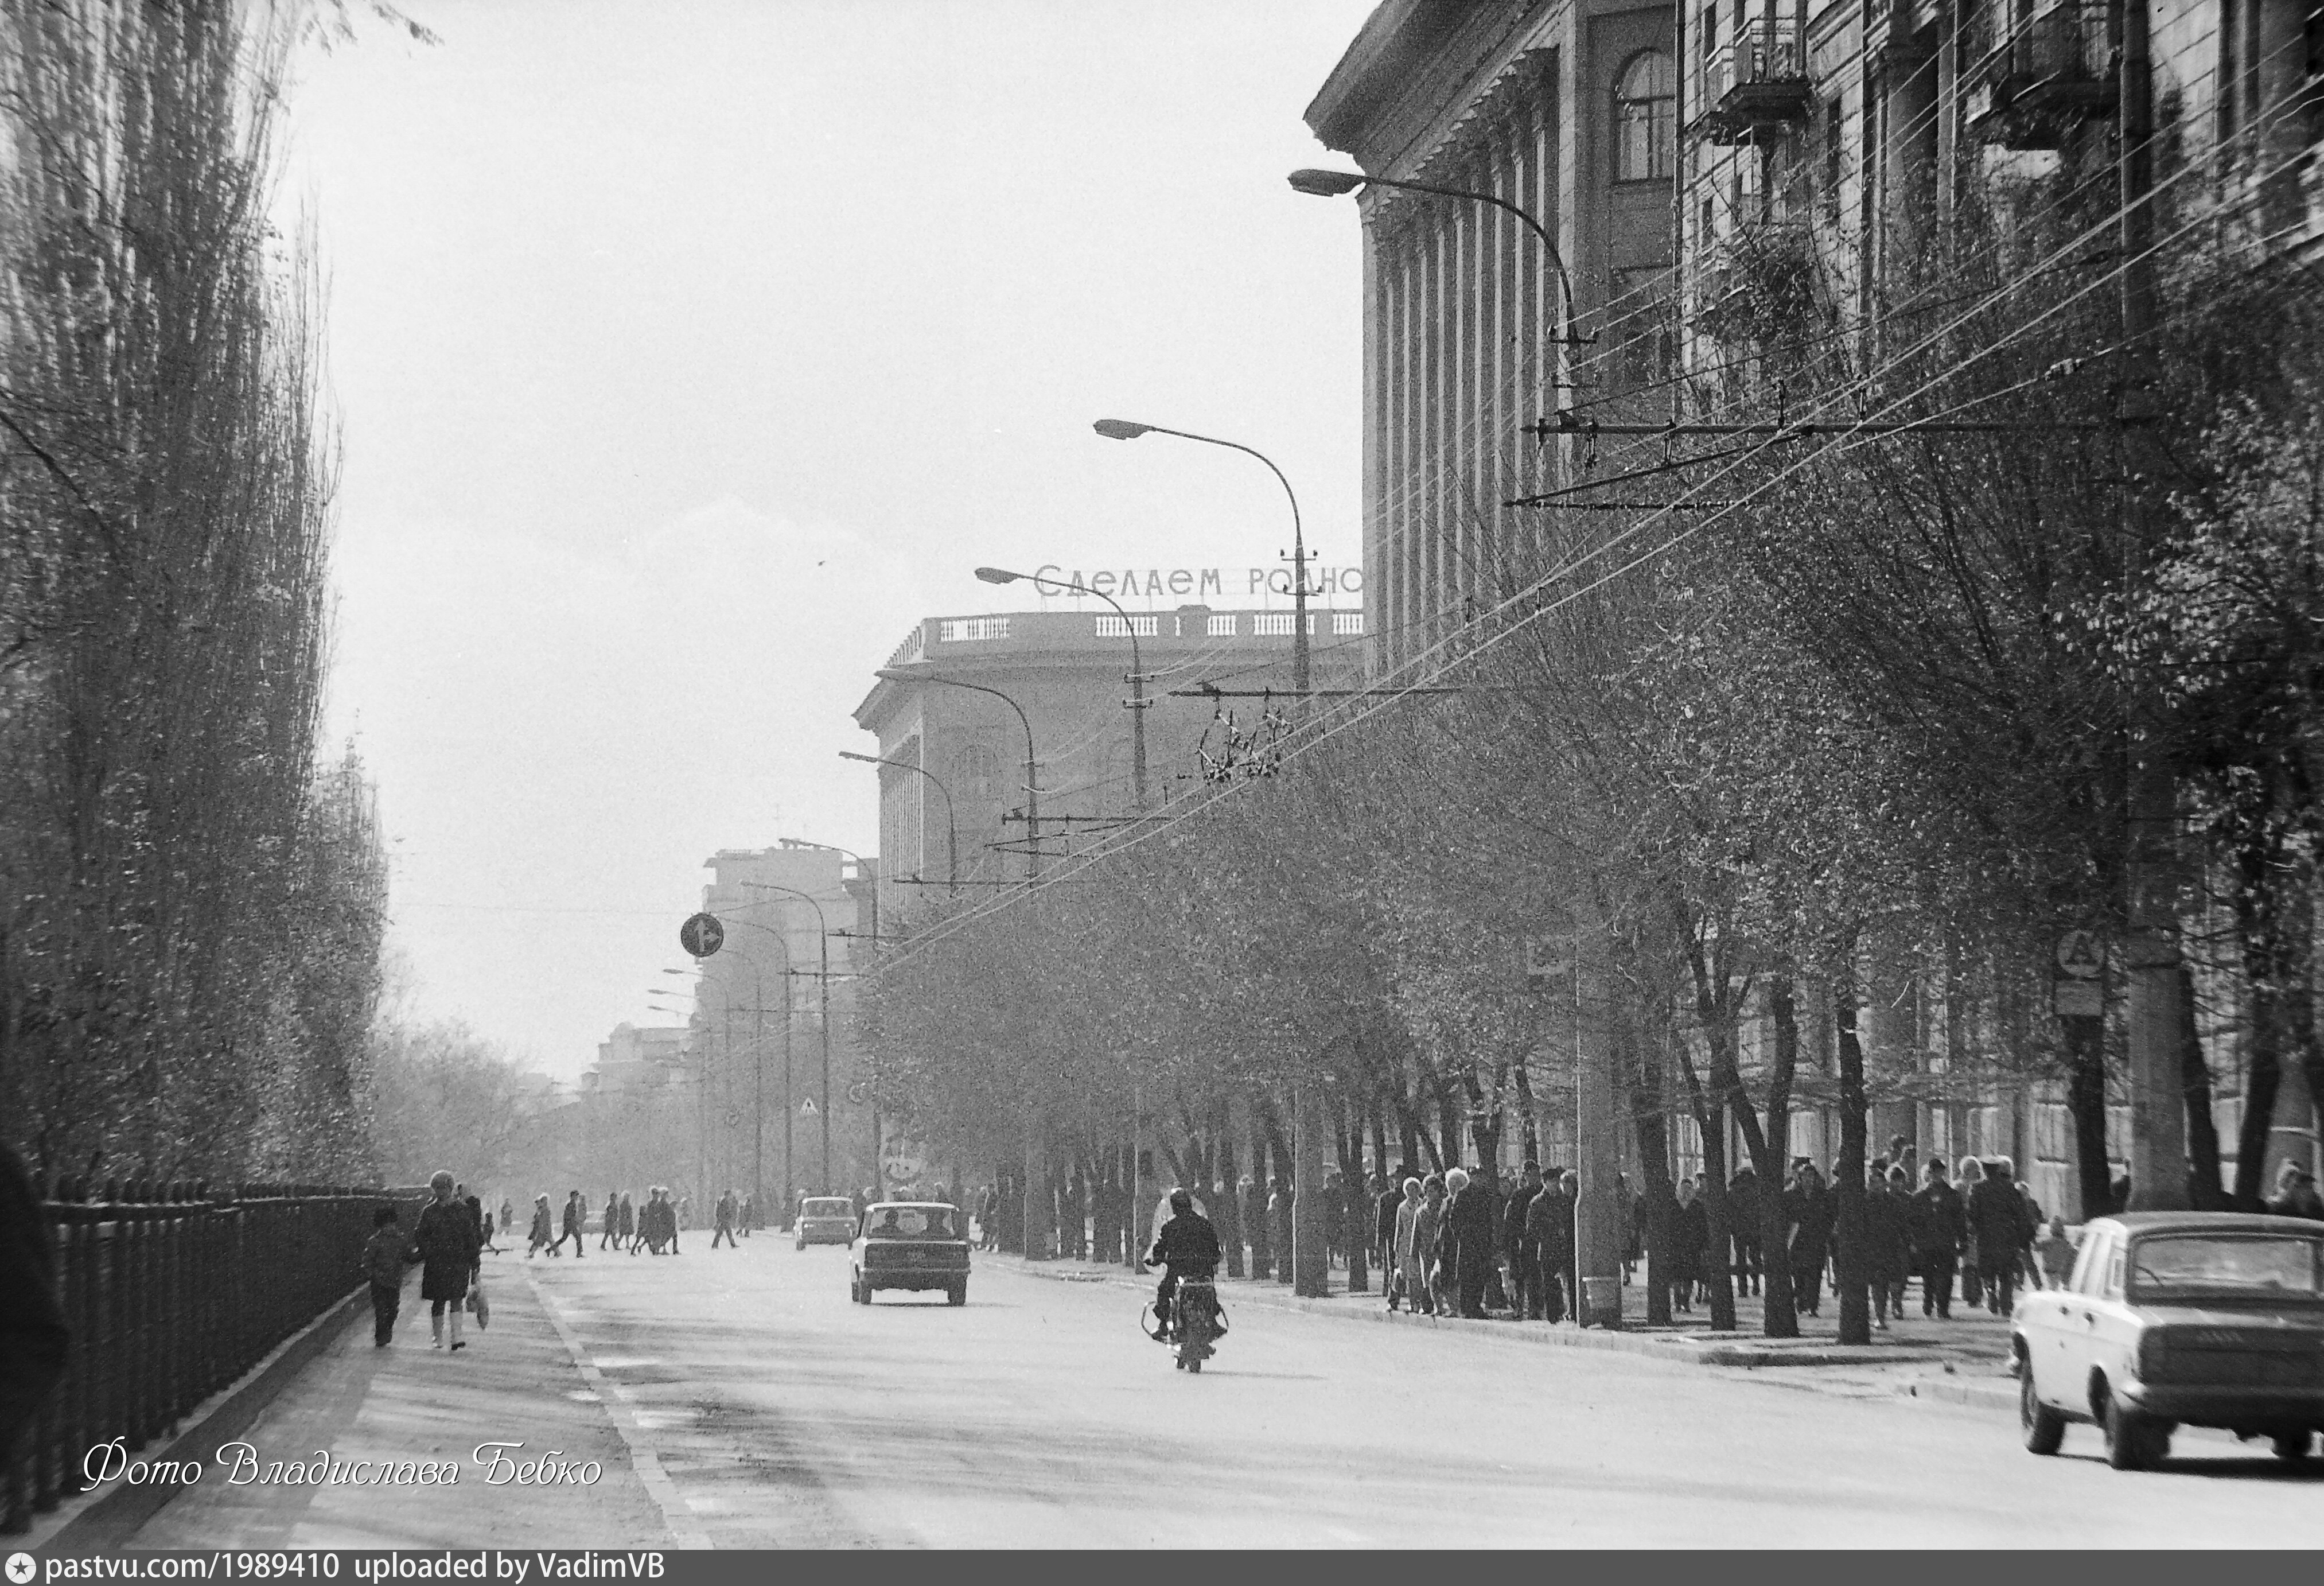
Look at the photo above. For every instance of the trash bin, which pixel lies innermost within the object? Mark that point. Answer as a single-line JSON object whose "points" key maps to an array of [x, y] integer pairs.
{"points": [[1601, 1302]]}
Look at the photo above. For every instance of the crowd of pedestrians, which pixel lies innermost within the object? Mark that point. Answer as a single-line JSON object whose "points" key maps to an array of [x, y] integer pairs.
{"points": [[1477, 1242]]}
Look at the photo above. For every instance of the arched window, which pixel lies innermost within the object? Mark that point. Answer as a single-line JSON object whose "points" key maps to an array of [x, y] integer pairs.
{"points": [[1646, 112], [976, 774]]}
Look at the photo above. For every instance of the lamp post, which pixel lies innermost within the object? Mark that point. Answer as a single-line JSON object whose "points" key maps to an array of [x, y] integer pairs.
{"points": [[1310, 1262], [1032, 792], [1136, 703], [1337, 184], [822, 951], [1126, 429], [952, 831]]}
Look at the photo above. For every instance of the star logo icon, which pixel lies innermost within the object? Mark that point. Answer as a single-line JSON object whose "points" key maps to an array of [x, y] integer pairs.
{"points": [[20, 1568]]}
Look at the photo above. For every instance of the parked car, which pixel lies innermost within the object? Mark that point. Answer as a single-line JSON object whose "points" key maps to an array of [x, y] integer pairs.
{"points": [[2173, 1319], [825, 1220], [912, 1245]]}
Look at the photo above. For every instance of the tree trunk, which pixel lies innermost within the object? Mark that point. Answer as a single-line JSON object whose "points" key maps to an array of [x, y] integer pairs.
{"points": [[2086, 1109], [1778, 1318], [1648, 1124], [1357, 1212], [2202, 1127], [1229, 1211], [1847, 1261], [1711, 1119]]}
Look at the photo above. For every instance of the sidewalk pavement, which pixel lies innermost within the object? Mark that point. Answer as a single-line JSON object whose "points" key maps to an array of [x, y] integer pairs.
{"points": [[516, 1380], [1962, 1360]]}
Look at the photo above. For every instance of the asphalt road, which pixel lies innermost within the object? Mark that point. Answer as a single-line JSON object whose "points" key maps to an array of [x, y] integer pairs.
{"points": [[1040, 1415]]}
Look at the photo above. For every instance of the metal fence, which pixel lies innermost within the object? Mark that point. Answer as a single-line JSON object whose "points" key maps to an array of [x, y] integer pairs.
{"points": [[171, 1291]]}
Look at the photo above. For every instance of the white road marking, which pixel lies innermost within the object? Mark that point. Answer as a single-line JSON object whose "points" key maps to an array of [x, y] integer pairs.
{"points": [[644, 1458]]}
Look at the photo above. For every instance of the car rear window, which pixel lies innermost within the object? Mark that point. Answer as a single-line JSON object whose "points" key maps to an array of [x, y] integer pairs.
{"points": [[828, 1209], [909, 1222], [2259, 1265]]}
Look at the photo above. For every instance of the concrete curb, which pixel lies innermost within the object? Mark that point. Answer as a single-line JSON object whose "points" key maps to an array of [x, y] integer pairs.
{"points": [[1728, 1353], [104, 1521]]}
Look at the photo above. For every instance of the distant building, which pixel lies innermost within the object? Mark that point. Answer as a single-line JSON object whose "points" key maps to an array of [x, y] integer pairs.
{"points": [[1066, 671], [633, 1058]]}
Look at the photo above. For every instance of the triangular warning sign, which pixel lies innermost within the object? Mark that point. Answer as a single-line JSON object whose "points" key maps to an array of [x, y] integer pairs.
{"points": [[807, 1108]]}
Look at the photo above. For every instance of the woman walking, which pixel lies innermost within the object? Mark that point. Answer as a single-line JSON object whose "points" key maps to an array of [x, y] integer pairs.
{"points": [[448, 1240], [629, 1234]]}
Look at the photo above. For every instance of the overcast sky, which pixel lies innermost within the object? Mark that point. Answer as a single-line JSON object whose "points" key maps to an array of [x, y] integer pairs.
{"points": [[685, 354]]}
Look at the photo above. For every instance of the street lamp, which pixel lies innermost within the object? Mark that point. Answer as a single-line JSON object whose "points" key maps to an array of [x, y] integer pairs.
{"points": [[823, 951], [1136, 703], [951, 832], [1032, 792], [1336, 184], [1126, 429]]}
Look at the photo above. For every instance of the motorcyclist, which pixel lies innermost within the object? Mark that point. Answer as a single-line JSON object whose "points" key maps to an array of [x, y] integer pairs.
{"points": [[1186, 1246]]}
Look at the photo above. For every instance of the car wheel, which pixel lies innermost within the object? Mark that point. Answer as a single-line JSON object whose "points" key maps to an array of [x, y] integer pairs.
{"points": [[854, 1292], [1195, 1366], [2042, 1427], [2293, 1445], [2134, 1442], [957, 1294], [799, 1245]]}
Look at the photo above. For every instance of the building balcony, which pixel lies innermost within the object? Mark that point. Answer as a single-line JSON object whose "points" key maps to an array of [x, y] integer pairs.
{"points": [[1755, 84], [2032, 89]]}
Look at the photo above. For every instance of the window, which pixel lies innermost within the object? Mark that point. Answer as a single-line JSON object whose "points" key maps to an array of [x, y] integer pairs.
{"points": [[1645, 109], [964, 630], [976, 774], [1347, 622], [1115, 627], [1223, 625]]}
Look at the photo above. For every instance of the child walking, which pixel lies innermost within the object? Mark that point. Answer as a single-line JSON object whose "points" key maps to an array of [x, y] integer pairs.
{"points": [[383, 1263]]}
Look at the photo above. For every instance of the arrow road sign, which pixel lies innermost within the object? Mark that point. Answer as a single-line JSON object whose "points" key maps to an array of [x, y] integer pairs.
{"points": [[702, 934]]}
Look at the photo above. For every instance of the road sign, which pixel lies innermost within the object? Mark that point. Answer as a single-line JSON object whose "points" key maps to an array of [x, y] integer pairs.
{"points": [[2079, 954], [702, 934], [860, 1092], [808, 1108], [2080, 1000]]}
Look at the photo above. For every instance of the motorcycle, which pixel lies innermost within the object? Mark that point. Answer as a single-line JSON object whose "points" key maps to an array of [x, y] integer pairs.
{"points": [[1193, 1322]]}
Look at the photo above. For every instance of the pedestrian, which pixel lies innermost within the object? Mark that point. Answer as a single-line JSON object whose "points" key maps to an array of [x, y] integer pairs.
{"points": [[1550, 1223], [1996, 1219], [1469, 1234], [1524, 1253], [1807, 1221], [1746, 1228], [508, 1217], [613, 1229], [2032, 1220], [2295, 1193], [1972, 1275], [1936, 1228], [1428, 1237], [727, 1208], [543, 1227], [34, 1339], [1690, 1241], [1385, 1215], [384, 1261], [445, 1241], [577, 1223], [1887, 1241], [629, 1230], [2057, 1253], [1408, 1255]]}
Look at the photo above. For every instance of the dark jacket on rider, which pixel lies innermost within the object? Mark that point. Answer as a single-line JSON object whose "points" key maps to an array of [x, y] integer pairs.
{"points": [[1187, 1245]]}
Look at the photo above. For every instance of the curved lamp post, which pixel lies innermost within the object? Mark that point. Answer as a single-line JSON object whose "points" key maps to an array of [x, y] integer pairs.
{"points": [[952, 831], [1137, 679], [1127, 429], [1032, 793], [1335, 184]]}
